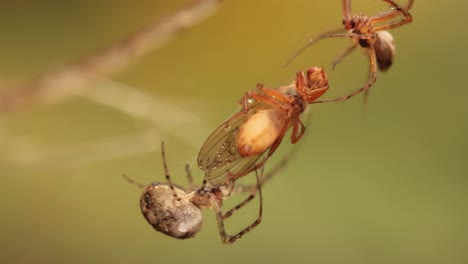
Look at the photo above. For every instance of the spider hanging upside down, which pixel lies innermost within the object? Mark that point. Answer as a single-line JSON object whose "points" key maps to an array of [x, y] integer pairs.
{"points": [[176, 212], [370, 33], [235, 148]]}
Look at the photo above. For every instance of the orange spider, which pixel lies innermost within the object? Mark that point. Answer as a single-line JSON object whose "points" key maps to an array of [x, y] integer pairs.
{"points": [[234, 149], [370, 33]]}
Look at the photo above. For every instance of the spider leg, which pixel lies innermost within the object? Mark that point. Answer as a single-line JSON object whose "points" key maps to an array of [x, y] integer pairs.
{"points": [[228, 239], [409, 5], [276, 94], [268, 100], [270, 96], [132, 181], [204, 183], [244, 102], [349, 35], [343, 54], [189, 176], [366, 98], [346, 9], [313, 41], [277, 168], [381, 17], [296, 133], [407, 17], [219, 216], [239, 206], [166, 172], [373, 78], [367, 92]]}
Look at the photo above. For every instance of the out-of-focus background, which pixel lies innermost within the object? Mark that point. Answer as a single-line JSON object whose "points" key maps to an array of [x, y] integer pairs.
{"points": [[385, 184]]}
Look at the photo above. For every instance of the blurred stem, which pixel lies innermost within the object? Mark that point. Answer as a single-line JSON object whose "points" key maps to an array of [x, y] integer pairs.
{"points": [[22, 151], [137, 104], [73, 79]]}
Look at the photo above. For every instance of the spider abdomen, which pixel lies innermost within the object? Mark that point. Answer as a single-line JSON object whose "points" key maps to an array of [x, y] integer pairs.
{"points": [[384, 50], [176, 218]]}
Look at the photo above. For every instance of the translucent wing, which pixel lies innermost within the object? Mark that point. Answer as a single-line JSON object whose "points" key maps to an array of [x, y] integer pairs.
{"points": [[219, 157]]}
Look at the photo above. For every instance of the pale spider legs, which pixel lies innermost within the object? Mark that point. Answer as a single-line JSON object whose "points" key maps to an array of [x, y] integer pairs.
{"points": [[167, 175], [281, 165], [215, 201], [369, 37], [220, 217], [253, 188]]}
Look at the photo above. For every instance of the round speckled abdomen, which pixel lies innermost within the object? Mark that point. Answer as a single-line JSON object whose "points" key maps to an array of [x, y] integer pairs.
{"points": [[178, 218]]}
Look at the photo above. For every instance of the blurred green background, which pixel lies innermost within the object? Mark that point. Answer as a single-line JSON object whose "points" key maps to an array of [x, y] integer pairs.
{"points": [[384, 185]]}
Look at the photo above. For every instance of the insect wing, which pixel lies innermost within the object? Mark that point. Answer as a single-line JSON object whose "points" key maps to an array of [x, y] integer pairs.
{"points": [[219, 157]]}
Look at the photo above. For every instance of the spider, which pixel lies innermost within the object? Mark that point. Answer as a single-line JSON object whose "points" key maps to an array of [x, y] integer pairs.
{"points": [[176, 211], [235, 148], [370, 33]]}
